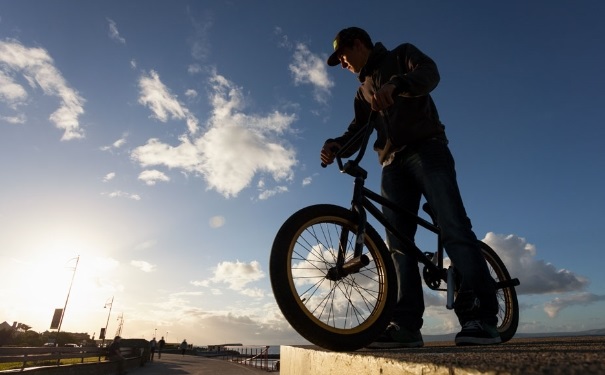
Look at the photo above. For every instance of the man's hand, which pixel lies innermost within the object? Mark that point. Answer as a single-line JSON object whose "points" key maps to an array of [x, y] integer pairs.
{"points": [[383, 98], [328, 152]]}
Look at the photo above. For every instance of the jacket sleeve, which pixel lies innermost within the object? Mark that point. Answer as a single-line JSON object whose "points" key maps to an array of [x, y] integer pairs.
{"points": [[362, 113], [418, 74]]}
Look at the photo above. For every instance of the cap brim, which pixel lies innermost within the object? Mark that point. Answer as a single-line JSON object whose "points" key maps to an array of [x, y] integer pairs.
{"points": [[333, 60]]}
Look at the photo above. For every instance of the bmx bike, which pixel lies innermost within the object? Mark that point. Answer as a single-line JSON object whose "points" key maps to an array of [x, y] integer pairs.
{"points": [[333, 277]]}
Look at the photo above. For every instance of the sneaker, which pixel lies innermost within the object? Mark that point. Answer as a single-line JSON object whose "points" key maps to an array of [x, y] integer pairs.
{"points": [[475, 332], [397, 337]]}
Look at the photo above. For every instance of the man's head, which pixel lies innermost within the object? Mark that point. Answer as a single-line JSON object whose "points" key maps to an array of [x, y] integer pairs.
{"points": [[346, 41]]}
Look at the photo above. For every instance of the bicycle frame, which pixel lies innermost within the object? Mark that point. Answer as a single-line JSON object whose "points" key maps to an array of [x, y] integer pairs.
{"points": [[362, 203]]}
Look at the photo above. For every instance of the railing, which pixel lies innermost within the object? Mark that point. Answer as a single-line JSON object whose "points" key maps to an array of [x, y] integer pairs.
{"points": [[25, 357], [49, 356], [254, 356]]}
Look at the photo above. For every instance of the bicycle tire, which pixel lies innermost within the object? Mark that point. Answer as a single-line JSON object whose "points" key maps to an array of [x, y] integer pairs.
{"points": [[341, 315], [508, 306]]}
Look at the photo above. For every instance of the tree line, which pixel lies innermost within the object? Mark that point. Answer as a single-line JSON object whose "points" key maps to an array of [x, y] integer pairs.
{"points": [[22, 335]]}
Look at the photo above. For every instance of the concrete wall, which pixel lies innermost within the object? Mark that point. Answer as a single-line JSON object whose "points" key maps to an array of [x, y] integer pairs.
{"points": [[316, 361]]}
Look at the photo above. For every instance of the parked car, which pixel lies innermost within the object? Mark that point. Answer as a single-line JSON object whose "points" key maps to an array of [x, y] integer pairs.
{"points": [[71, 345]]}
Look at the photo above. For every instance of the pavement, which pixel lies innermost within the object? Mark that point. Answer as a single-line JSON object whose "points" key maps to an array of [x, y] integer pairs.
{"points": [[581, 355], [176, 364]]}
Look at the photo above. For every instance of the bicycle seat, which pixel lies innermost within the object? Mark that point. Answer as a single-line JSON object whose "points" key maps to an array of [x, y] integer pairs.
{"points": [[427, 208]]}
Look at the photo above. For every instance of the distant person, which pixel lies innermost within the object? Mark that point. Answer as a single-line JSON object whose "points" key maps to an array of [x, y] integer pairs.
{"points": [[115, 355], [152, 345], [161, 345], [183, 347]]}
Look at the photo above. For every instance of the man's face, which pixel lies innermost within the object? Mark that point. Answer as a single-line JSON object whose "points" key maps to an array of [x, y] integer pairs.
{"points": [[351, 57]]}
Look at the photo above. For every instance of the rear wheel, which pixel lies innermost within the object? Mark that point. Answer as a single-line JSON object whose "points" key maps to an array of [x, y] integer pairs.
{"points": [[508, 312], [337, 313]]}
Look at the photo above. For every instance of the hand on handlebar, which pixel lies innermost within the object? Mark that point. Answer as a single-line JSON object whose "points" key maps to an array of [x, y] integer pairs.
{"points": [[328, 153]]}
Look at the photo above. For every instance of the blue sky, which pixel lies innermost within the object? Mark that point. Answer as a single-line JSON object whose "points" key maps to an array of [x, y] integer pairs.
{"points": [[164, 143]]}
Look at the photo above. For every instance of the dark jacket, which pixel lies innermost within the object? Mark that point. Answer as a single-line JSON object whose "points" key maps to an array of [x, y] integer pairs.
{"points": [[413, 117]]}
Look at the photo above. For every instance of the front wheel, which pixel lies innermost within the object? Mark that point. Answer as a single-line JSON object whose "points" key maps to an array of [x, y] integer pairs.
{"points": [[337, 313], [508, 306]]}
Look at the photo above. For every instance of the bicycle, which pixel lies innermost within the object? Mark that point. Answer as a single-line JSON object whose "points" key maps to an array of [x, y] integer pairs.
{"points": [[333, 277]]}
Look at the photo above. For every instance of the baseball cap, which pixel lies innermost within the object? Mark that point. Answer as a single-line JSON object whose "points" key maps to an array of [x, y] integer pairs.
{"points": [[344, 38]]}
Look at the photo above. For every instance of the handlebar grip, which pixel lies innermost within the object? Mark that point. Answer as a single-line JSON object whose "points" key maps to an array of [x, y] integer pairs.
{"points": [[333, 149]]}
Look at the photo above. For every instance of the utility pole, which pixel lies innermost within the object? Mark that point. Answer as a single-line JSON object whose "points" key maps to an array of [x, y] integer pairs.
{"points": [[110, 304], [67, 299]]}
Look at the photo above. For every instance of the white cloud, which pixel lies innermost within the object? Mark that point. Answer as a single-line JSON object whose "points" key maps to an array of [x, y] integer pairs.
{"points": [[115, 145], [191, 94], [194, 69], [121, 194], [307, 181], [162, 103], [109, 176], [11, 92], [235, 147], [253, 293], [236, 274], [152, 176], [284, 41], [268, 193], [200, 45], [114, 34], [552, 308], [309, 68], [36, 66], [18, 119], [536, 276], [143, 265]]}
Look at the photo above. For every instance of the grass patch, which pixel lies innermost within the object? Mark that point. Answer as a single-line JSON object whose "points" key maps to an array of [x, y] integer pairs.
{"points": [[66, 361]]}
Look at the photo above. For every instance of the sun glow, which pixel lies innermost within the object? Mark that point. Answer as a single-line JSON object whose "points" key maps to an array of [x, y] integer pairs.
{"points": [[41, 278]]}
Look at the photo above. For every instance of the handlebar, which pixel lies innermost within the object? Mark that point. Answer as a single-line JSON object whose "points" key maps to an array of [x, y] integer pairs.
{"points": [[364, 132]]}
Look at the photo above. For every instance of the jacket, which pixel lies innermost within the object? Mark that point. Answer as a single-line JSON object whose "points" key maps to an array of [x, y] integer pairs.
{"points": [[413, 117]]}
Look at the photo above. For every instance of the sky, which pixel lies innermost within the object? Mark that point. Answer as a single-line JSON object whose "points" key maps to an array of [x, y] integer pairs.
{"points": [[160, 145]]}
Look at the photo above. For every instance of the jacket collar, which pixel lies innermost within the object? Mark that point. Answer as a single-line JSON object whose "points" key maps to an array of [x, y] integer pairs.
{"points": [[378, 53]]}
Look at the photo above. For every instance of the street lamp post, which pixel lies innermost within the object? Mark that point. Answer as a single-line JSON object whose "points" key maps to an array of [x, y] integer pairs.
{"points": [[67, 299], [110, 304]]}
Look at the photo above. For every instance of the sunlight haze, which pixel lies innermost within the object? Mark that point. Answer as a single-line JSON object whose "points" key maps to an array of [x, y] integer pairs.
{"points": [[165, 142]]}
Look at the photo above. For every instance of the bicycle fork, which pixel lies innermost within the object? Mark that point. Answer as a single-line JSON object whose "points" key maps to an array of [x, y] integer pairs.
{"points": [[345, 267]]}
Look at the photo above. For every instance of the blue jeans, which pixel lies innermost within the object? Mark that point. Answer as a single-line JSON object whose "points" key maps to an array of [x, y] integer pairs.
{"points": [[428, 169]]}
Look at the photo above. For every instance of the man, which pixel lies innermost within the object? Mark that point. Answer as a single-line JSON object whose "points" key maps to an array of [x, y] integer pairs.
{"points": [[115, 355], [412, 148], [152, 346], [161, 344]]}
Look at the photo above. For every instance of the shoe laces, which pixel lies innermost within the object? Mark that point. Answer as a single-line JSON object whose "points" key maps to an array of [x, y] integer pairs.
{"points": [[393, 326], [473, 324]]}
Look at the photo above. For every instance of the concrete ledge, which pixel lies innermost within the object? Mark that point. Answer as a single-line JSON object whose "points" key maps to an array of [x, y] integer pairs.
{"points": [[315, 361], [579, 355]]}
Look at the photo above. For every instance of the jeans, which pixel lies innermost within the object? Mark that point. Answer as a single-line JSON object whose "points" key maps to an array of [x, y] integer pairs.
{"points": [[428, 169]]}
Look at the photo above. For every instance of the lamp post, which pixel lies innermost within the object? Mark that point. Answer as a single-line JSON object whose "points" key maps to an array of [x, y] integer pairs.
{"points": [[110, 304], [67, 299]]}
